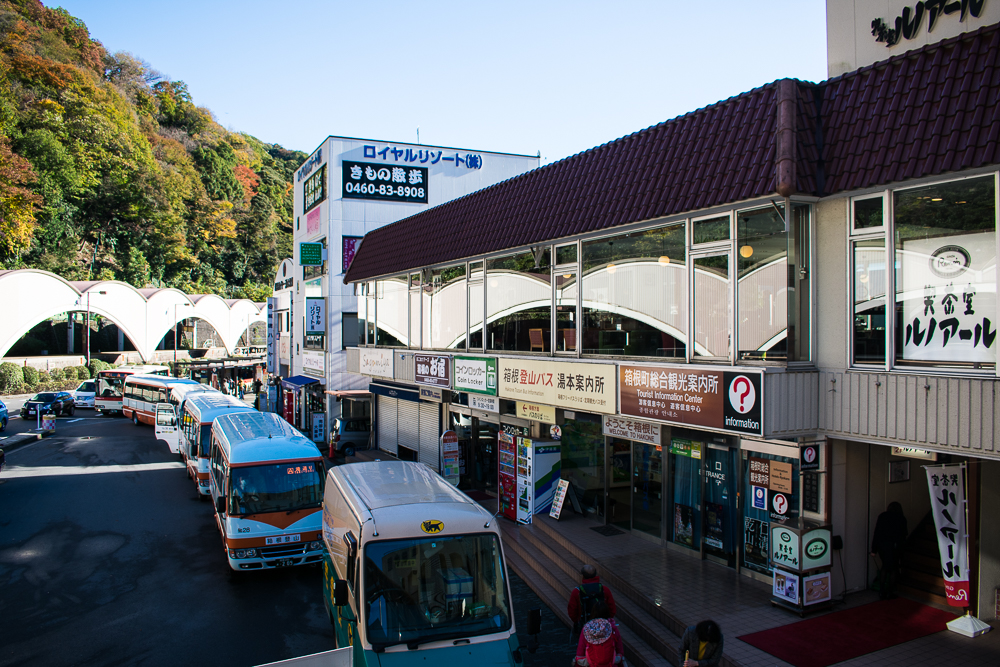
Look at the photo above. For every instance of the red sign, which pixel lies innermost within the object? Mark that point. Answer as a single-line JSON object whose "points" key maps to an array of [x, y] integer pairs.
{"points": [[289, 413]]}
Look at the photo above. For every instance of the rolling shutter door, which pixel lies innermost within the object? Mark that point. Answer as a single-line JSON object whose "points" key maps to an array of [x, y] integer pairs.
{"points": [[429, 418], [409, 431], [387, 410]]}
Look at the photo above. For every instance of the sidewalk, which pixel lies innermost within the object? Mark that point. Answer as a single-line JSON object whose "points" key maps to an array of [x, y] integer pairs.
{"points": [[690, 590]]}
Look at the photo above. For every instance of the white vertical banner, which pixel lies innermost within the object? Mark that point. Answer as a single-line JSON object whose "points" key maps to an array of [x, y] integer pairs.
{"points": [[272, 337], [947, 491]]}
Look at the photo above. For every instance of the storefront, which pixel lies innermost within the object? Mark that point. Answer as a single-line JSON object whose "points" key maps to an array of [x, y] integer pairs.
{"points": [[299, 399], [407, 426]]}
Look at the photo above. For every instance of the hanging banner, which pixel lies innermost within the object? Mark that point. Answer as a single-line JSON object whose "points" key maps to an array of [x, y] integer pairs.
{"points": [[947, 490]]}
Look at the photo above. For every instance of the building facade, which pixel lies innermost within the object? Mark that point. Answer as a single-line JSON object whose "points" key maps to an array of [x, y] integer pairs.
{"points": [[700, 319]]}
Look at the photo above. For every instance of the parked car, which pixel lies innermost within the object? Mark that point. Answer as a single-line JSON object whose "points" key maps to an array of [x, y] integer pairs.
{"points": [[3, 416], [59, 402], [349, 435], [83, 396]]}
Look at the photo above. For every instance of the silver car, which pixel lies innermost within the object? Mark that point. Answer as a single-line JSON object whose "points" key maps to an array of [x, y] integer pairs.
{"points": [[83, 397]]}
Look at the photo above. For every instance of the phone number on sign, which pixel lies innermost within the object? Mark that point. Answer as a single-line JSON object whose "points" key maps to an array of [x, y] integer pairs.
{"points": [[384, 190]]}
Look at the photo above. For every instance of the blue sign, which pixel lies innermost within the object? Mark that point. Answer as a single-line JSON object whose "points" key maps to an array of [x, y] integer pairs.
{"points": [[759, 494]]}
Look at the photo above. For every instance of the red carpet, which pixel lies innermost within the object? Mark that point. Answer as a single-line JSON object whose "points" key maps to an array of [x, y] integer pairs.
{"points": [[832, 638]]}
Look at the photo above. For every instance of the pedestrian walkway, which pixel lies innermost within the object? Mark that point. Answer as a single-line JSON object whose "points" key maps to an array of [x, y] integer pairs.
{"points": [[661, 591]]}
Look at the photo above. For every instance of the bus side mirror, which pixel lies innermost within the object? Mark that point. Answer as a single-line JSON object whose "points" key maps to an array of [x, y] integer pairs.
{"points": [[340, 593], [220, 505]]}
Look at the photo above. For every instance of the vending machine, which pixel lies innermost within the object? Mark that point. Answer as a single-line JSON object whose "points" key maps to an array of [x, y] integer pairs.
{"points": [[539, 463], [507, 482]]}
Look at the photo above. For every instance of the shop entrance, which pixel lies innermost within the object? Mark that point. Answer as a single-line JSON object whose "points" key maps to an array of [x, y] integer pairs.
{"points": [[635, 487], [477, 443]]}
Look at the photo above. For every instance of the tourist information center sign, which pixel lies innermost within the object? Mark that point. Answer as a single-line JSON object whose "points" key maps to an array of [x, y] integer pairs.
{"points": [[726, 400], [576, 386]]}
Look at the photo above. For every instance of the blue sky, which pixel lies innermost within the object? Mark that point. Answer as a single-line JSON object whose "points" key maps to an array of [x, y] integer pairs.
{"points": [[513, 76]]}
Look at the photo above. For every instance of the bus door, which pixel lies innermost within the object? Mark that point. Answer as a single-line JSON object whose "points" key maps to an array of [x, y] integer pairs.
{"points": [[166, 426]]}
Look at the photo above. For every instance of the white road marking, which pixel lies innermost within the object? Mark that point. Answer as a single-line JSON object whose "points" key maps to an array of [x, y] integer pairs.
{"points": [[54, 471], [78, 419]]}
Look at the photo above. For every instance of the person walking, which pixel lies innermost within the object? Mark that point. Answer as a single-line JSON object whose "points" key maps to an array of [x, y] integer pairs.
{"points": [[701, 645], [584, 598], [600, 643], [887, 542]]}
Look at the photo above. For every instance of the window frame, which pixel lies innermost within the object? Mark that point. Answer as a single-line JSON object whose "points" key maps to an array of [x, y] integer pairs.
{"points": [[309, 184]]}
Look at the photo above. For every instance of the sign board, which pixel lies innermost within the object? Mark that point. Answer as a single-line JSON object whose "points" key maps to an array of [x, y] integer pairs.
{"points": [[809, 457], [450, 455], [272, 338], [947, 489], [315, 315], [559, 499], [760, 472], [816, 589], [785, 547], [816, 549], [351, 244], [311, 254], [363, 180], [631, 429], [686, 448], [432, 370], [913, 453], [484, 403], [375, 362], [312, 221], [781, 476], [476, 375], [536, 412], [573, 385], [432, 394], [285, 348], [779, 505], [319, 427], [785, 586], [758, 497], [725, 400], [314, 363]]}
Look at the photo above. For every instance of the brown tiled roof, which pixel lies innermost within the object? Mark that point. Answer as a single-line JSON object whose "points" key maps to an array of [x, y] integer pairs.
{"points": [[925, 112]]}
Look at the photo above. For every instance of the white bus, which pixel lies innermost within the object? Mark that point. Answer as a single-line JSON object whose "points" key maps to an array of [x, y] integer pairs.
{"points": [[200, 410], [267, 485], [111, 385], [142, 393]]}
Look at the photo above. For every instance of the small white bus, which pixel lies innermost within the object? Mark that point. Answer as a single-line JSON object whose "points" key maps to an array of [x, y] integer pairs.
{"points": [[267, 484], [142, 393], [111, 385], [200, 410]]}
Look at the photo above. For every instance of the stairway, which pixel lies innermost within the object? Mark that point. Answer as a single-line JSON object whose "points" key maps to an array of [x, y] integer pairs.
{"points": [[550, 564], [920, 565]]}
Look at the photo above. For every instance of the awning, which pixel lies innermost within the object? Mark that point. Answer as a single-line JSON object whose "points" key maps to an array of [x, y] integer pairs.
{"points": [[298, 381], [348, 393], [392, 391]]}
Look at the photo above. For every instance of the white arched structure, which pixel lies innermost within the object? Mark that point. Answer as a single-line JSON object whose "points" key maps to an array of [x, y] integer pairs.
{"points": [[31, 296]]}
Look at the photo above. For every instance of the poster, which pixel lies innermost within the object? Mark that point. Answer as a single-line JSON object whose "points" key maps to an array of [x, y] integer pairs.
{"points": [[816, 589], [947, 490], [319, 427], [785, 586], [351, 244], [559, 499], [714, 517], [755, 542], [683, 525], [450, 457]]}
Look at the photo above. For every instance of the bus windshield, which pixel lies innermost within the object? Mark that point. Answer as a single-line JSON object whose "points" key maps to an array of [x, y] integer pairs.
{"points": [[108, 387], [280, 487], [432, 589]]}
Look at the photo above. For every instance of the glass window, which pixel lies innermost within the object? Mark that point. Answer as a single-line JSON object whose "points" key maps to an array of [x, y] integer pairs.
{"points": [[310, 272], [868, 213], [762, 284], [281, 487], [566, 254], [869, 302], [685, 467], [712, 307], [444, 309], [370, 318], [945, 242], [713, 229], [582, 447], [756, 520], [391, 298], [566, 293], [414, 318], [477, 295], [314, 189], [635, 294], [519, 302]]}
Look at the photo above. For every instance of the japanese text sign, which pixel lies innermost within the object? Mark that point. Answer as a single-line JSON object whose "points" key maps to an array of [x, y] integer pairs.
{"points": [[631, 429], [715, 399], [375, 362], [577, 386], [477, 375], [536, 412], [310, 254], [351, 244], [385, 182], [432, 370], [315, 315], [947, 490], [785, 547], [425, 156]]}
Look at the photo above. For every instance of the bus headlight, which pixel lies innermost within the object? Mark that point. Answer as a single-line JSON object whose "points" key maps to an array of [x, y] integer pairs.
{"points": [[240, 553], [251, 553], [315, 546]]}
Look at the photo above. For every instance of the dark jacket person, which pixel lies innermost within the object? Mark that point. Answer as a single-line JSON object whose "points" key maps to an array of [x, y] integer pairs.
{"points": [[887, 542], [702, 645]]}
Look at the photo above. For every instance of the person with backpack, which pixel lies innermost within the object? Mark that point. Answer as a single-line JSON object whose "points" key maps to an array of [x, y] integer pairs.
{"points": [[585, 597], [600, 643], [701, 645]]}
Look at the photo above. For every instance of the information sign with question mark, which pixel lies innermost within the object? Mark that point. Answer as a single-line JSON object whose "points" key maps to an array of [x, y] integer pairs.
{"points": [[742, 395]]}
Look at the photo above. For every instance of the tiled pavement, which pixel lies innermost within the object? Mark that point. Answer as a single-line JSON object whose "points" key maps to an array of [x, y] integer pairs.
{"points": [[691, 590]]}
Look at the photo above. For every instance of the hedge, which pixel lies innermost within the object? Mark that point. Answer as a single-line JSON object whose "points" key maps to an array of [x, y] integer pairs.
{"points": [[30, 377], [11, 377]]}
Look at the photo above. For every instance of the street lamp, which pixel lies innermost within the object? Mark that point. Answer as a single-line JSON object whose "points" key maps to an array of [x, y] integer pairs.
{"points": [[176, 306], [88, 324]]}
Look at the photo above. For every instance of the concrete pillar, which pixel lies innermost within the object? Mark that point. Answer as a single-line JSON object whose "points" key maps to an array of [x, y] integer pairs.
{"points": [[194, 334], [121, 339], [70, 341]]}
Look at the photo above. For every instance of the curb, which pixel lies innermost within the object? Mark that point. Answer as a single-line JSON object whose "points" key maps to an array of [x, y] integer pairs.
{"points": [[18, 440]]}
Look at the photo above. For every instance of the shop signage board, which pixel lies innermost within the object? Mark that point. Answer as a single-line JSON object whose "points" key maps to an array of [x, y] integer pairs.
{"points": [[484, 403], [450, 457], [313, 363], [947, 490], [375, 362], [726, 400], [776, 477], [785, 586], [809, 457], [686, 448], [816, 549], [319, 427], [432, 370], [781, 476], [272, 342], [351, 245], [631, 429], [432, 394], [536, 412], [816, 589], [785, 548], [315, 315], [577, 386], [476, 375], [363, 180], [311, 254], [559, 499], [914, 453]]}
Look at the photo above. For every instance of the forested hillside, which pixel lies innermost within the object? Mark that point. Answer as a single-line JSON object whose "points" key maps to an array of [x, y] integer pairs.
{"points": [[108, 169]]}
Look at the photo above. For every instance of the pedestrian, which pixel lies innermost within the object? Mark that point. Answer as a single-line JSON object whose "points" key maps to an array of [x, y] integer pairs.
{"points": [[701, 645], [584, 598], [256, 386], [887, 542], [600, 643]]}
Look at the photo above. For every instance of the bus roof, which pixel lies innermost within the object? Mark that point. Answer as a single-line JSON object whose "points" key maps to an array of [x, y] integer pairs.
{"points": [[252, 437], [381, 484], [208, 405], [164, 380]]}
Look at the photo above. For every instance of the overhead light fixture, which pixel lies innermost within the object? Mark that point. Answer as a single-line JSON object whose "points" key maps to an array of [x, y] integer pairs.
{"points": [[863, 278], [664, 260], [567, 276], [612, 268], [746, 251]]}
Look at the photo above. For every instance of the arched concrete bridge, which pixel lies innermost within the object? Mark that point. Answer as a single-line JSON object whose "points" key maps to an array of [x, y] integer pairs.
{"points": [[30, 296]]}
